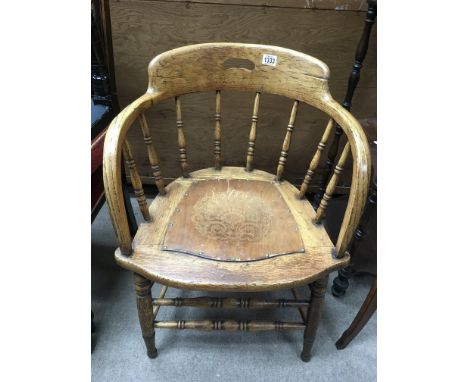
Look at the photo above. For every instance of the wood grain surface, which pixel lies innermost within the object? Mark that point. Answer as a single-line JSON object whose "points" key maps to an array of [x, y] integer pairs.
{"points": [[232, 220], [186, 271], [337, 5], [143, 29]]}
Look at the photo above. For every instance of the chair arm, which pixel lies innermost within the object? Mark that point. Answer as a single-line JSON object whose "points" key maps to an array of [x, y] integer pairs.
{"points": [[112, 158], [361, 172]]}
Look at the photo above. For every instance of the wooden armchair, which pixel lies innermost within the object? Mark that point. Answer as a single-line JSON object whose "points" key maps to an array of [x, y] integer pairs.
{"points": [[232, 229]]}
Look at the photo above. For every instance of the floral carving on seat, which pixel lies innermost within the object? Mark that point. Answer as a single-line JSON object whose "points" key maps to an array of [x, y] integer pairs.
{"points": [[232, 216]]}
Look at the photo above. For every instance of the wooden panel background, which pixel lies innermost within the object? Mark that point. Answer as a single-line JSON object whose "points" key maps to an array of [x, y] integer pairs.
{"points": [[144, 29]]}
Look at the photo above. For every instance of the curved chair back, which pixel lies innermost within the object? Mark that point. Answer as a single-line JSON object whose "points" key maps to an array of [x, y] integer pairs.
{"points": [[236, 67]]}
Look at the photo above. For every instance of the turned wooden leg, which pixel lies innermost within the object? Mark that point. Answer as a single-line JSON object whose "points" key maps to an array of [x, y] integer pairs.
{"points": [[341, 282], [145, 313], [368, 308], [317, 293], [93, 326]]}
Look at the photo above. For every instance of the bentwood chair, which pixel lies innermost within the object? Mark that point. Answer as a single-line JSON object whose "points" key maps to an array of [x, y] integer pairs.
{"points": [[233, 229]]}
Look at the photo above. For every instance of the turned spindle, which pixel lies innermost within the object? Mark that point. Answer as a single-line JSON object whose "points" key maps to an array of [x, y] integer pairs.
{"points": [[332, 184], [315, 160], [253, 133], [181, 140], [302, 312], [152, 155], [230, 303], [217, 132], [286, 142], [162, 293], [136, 181], [353, 80], [229, 325]]}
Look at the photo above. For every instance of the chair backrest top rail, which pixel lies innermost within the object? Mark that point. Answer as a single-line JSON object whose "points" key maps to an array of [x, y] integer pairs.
{"points": [[234, 66]]}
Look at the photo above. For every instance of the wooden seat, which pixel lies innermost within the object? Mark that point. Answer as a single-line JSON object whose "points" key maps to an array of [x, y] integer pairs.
{"points": [[298, 261], [229, 228]]}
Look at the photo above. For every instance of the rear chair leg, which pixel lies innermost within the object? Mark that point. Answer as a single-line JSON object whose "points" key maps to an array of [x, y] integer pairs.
{"points": [[145, 313], [314, 313]]}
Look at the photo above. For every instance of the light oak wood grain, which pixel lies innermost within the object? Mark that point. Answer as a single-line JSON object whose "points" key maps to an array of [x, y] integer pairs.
{"points": [[152, 155], [332, 184], [316, 159], [232, 220], [191, 272], [217, 132], [253, 133], [181, 139], [287, 142]]}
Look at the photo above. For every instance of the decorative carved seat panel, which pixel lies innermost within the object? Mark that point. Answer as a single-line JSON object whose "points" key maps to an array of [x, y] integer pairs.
{"points": [[189, 204], [233, 220]]}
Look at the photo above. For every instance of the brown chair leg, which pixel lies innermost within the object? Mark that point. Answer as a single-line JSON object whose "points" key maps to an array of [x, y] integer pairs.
{"points": [[317, 293], [145, 313], [368, 308]]}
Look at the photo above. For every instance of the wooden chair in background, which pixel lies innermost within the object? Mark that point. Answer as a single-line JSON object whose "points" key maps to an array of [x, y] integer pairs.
{"points": [[217, 229]]}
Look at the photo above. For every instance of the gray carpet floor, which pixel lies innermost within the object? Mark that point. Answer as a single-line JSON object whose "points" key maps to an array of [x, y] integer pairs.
{"points": [[119, 353]]}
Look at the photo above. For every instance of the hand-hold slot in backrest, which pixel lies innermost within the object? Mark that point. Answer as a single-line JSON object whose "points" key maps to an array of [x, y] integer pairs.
{"points": [[238, 63]]}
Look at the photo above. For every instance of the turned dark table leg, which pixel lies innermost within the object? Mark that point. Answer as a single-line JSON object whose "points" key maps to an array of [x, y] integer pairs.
{"points": [[365, 313], [361, 52], [341, 282], [93, 326], [128, 204], [145, 313], [314, 313]]}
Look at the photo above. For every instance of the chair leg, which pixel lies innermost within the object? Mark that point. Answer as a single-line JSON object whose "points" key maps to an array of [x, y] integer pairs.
{"points": [[145, 313], [341, 282], [368, 308], [313, 316]]}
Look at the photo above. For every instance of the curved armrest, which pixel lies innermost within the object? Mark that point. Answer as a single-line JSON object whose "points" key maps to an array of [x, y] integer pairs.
{"points": [[361, 172], [112, 158]]}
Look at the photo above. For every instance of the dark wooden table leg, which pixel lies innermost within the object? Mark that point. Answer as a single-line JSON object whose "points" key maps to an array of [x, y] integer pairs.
{"points": [[128, 205], [367, 310], [361, 52], [93, 326], [341, 282], [93, 331], [145, 313], [317, 294]]}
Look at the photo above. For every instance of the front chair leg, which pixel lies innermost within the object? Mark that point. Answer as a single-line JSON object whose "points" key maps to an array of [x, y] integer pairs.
{"points": [[317, 293], [145, 313]]}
